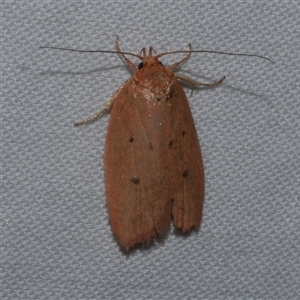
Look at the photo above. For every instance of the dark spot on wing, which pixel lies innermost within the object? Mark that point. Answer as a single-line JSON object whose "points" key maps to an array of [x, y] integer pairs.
{"points": [[135, 180], [185, 173]]}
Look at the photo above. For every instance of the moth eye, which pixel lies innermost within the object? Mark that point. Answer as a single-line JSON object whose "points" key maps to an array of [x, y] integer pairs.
{"points": [[160, 63], [140, 65]]}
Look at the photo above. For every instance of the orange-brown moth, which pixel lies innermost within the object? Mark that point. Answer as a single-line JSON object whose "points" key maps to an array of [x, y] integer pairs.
{"points": [[153, 164]]}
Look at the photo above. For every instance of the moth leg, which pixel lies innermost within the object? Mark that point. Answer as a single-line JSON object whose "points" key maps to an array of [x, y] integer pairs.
{"points": [[193, 82], [176, 65], [131, 65], [107, 107], [90, 119]]}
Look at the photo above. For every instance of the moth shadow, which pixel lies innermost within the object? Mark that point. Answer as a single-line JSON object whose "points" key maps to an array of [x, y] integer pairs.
{"points": [[184, 235], [248, 92], [51, 72], [157, 241]]}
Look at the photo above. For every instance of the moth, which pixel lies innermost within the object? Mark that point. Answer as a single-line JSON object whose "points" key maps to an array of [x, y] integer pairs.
{"points": [[154, 171]]}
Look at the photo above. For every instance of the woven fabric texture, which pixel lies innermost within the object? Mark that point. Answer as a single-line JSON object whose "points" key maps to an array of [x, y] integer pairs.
{"points": [[56, 239]]}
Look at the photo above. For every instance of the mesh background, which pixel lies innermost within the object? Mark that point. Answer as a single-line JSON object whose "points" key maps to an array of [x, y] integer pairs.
{"points": [[56, 240]]}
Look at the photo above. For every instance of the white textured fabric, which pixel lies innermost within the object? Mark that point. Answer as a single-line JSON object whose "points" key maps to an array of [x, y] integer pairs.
{"points": [[56, 239]]}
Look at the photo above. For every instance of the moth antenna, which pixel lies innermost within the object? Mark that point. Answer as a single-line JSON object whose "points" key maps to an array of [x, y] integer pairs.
{"points": [[215, 52], [92, 51]]}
